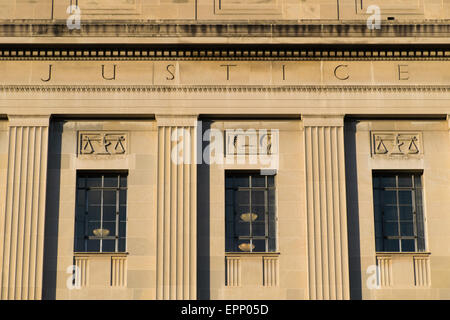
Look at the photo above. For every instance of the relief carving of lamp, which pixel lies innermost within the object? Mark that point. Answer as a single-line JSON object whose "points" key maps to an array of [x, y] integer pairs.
{"points": [[101, 233], [247, 217]]}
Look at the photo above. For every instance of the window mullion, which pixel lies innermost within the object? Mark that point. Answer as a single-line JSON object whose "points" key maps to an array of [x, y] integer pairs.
{"points": [[251, 211], [101, 213], [86, 219], [398, 213]]}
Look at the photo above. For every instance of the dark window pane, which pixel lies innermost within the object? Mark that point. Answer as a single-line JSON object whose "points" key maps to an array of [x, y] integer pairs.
{"points": [[111, 180], [122, 229], [271, 198], [81, 197], [109, 197], [123, 213], [417, 181], [229, 182], [270, 181], [229, 245], [123, 181], [389, 197], [405, 180], [406, 213], [94, 197], [108, 245], [376, 182], [388, 181], [258, 181], [260, 245], [272, 245], [94, 213], [81, 182], [391, 245], [377, 198], [242, 209], [390, 229], [405, 197], [122, 245], [390, 213], [123, 197], [242, 229], [94, 181], [258, 198], [243, 197], [408, 246], [407, 228], [260, 213], [379, 244], [79, 229], [258, 229], [241, 181], [111, 227], [79, 244], [229, 196], [109, 213], [93, 245]]}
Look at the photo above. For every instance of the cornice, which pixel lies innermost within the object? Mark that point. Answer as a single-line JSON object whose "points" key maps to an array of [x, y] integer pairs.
{"points": [[225, 29], [223, 89], [208, 52]]}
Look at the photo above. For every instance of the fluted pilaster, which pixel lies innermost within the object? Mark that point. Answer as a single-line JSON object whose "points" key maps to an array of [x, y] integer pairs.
{"points": [[177, 208], [326, 208], [24, 217]]}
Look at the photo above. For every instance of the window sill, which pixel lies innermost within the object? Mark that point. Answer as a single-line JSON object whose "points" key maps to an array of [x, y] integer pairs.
{"points": [[100, 254], [257, 254], [418, 253]]}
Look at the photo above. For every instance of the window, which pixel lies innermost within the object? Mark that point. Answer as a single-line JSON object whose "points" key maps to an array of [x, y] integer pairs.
{"points": [[250, 212], [100, 220], [399, 221]]}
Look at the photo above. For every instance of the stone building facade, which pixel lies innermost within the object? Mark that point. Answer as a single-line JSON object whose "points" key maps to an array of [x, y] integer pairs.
{"points": [[225, 149]]}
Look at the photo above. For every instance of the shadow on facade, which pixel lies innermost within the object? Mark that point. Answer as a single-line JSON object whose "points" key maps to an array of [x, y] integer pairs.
{"points": [[352, 210], [203, 222], [52, 211]]}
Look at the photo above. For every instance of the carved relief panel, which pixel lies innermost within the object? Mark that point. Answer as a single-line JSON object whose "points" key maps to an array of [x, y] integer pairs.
{"points": [[251, 142], [396, 144], [102, 143]]}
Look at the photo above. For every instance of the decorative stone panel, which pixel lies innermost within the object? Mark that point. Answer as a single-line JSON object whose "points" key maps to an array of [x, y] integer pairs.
{"points": [[233, 265], [82, 272], [102, 143], [395, 145], [385, 271], [422, 277], [251, 142], [118, 271]]}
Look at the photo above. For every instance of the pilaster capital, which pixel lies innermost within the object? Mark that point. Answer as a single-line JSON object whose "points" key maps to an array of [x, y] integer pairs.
{"points": [[163, 120], [323, 120], [28, 120]]}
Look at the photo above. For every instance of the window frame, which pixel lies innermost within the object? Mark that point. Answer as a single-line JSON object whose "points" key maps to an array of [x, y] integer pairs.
{"points": [[417, 205], [118, 205], [231, 234]]}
